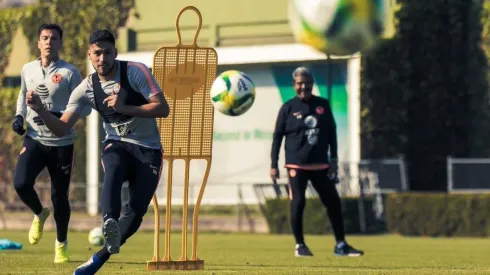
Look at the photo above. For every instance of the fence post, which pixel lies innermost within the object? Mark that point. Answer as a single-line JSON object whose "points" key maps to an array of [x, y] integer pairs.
{"points": [[362, 214], [239, 208], [403, 173], [449, 171]]}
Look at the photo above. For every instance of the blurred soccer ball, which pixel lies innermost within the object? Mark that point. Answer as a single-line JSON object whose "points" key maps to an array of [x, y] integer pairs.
{"points": [[96, 237], [337, 27], [233, 93]]}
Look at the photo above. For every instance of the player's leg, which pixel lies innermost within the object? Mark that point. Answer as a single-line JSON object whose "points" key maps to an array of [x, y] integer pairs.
{"points": [[331, 200], [116, 161], [144, 176], [298, 181], [60, 169], [143, 183], [31, 162]]}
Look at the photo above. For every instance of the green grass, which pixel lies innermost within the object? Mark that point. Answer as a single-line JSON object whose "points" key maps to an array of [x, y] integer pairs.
{"points": [[264, 254]]}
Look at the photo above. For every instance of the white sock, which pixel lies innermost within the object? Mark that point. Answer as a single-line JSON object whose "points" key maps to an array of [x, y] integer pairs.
{"points": [[58, 242]]}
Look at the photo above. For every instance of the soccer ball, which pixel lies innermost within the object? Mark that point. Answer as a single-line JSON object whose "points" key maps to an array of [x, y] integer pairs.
{"points": [[96, 237], [337, 27], [233, 93]]}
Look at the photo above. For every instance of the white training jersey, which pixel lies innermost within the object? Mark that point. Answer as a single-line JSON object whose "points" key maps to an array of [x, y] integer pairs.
{"points": [[54, 85], [142, 131]]}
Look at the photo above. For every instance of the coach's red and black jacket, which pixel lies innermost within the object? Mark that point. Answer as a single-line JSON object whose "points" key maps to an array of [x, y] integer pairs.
{"points": [[310, 131]]}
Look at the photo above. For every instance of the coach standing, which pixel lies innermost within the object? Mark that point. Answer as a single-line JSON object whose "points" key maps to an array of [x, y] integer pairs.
{"points": [[308, 124]]}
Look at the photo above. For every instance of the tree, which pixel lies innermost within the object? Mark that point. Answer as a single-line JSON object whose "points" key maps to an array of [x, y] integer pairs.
{"points": [[428, 78], [78, 20], [10, 19]]}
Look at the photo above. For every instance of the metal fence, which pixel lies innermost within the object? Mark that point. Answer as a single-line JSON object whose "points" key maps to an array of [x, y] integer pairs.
{"points": [[372, 176], [364, 179], [468, 175]]}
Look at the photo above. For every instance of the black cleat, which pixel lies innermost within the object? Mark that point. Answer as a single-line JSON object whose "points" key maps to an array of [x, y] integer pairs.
{"points": [[302, 251], [346, 250]]}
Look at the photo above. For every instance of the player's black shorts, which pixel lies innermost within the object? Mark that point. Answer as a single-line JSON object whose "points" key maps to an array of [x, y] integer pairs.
{"points": [[34, 157], [140, 166]]}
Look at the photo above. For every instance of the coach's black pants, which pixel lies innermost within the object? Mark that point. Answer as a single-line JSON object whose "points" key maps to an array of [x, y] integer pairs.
{"points": [[298, 181], [140, 166], [33, 158]]}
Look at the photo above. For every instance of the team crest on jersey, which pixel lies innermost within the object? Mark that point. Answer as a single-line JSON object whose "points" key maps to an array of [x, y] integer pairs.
{"points": [[319, 110], [56, 78], [117, 88]]}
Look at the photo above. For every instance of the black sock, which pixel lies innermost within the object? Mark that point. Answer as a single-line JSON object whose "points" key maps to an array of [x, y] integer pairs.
{"points": [[103, 254], [337, 221], [61, 215], [331, 200], [297, 209]]}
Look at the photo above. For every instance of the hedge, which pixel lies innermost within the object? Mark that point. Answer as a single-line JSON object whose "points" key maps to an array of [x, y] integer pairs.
{"points": [[315, 218], [407, 214], [439, 214]]}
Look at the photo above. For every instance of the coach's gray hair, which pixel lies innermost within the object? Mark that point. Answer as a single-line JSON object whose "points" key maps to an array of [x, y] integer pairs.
{"points": [[303, 71]]}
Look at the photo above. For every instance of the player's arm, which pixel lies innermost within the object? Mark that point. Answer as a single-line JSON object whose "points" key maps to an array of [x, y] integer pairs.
{"points": [[60, 126], [21, 99], [332, 133], [21, 109], [142, 80], [157, 106], [75, 81], [277, 137]]}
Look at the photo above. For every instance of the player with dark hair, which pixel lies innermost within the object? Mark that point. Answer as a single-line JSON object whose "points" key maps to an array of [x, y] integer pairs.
{"points": [[53, 80], [307, 123], [128, 99]]}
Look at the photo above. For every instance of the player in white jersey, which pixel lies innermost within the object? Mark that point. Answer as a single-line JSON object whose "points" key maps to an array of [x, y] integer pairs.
{"points": [[128, 98], [53, 80]]}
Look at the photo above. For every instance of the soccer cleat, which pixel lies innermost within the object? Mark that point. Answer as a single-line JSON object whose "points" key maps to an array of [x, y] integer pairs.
{"points": [[302, 251], [90, 267], [343, 249], [112, 236], [37, 226], [61, 252]]}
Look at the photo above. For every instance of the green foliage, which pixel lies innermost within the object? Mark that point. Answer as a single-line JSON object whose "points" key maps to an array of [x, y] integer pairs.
{"points": [[485, 21], [10, 19], [315, 221], [383, 101], [11, 142], [422, 214], [78, 20], [423, 91], [478, 76]]}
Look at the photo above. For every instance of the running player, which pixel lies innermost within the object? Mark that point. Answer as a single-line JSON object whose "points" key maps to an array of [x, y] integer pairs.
{"points": [[128, 99], [53, 80]]}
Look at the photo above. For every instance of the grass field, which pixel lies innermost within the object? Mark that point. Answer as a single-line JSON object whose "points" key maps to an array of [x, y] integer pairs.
{"points": [[263, 254]]}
